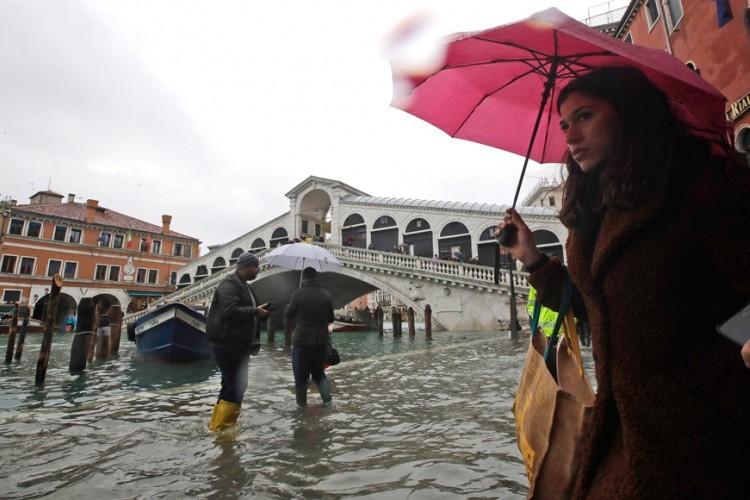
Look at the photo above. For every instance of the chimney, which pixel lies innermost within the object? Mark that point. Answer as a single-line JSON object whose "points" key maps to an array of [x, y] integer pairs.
{"points": [[91, 206], [166, 220], [71, 198]]}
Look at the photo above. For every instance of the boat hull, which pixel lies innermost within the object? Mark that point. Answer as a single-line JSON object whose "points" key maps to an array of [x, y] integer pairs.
{"points": [[174, 333]]}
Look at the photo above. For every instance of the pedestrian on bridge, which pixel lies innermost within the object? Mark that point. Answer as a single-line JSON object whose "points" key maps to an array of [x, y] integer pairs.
{"points": [[311, 311], [657, 251], [234, 335]]}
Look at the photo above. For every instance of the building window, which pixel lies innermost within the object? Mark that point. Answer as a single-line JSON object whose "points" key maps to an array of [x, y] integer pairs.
{"points": [[70, 270], [173, 278], [11, 296], [114, 273], [187, 250], [153, 275], [652, 12], [140, 275], [304, 227], [60, 232], [552, 201], [675, 12], [104, 239], [27, 265], [16, 227], [317, 229], [9, 264], [74, 236], [34, 230], [101, 272], [156, 247], [118, 241], [177, 249], [54, 267], [144, 244]]}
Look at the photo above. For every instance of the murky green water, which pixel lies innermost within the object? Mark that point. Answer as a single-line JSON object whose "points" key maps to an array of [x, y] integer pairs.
{"points": [[409, 419]]}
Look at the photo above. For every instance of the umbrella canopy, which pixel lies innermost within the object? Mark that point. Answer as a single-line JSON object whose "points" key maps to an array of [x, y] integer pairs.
{"points": [[497, 84], [298, 256]]}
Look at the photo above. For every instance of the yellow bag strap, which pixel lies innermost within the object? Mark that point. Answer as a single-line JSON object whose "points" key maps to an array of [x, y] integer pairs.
{"points": [[571, 335]]}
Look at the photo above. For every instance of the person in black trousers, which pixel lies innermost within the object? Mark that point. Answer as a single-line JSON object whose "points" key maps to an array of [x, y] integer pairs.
{"points": [[311, 311], [234, 335]]}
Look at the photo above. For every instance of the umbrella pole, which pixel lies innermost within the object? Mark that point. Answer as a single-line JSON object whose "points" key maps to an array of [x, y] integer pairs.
{"points": [[507, 236], [300, 272]]}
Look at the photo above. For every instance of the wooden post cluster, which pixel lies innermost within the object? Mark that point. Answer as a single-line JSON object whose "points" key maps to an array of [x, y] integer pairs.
{"points": [[396, 320], [49, 327], [428, 322], [115, 329], [12, 335], [25, 312]]}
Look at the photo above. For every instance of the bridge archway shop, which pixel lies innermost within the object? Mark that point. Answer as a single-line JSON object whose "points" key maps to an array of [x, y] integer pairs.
{"points": [[418, 238], [384, 233], [354, 231]]}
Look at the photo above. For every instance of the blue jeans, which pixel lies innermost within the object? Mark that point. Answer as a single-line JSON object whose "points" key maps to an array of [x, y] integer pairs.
{"points": [[308, 360], [233, 366]]}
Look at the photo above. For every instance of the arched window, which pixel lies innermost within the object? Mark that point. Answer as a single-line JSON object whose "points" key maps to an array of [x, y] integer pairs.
{"points": [[258, 245], [418, 238], [201, 272], [279, 237], [185, 280], [354, 232], [487, 247], [218, 265], [384, 234], [455, 242], [548, 243], [235, 255]]}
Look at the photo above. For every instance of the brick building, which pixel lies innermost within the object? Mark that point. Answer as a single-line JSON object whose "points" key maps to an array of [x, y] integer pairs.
{"points": [[711, 37], [99, 253]]}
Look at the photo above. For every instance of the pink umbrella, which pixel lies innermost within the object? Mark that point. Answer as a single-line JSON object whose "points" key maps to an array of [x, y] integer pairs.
{"points": [[498, 86]]}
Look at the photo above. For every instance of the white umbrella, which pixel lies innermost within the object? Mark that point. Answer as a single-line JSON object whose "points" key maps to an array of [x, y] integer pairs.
{"points": [[298, 256]]}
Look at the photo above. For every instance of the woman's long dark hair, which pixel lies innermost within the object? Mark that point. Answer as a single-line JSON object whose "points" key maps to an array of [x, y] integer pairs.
{"points": [[652, 150]]}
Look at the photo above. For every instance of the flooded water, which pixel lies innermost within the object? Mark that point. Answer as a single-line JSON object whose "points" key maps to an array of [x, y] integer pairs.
{"points": [[409, 419]]}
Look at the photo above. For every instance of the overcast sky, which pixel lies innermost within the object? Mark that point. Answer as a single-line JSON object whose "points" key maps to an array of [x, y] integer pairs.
{"points": [[212, 110]]}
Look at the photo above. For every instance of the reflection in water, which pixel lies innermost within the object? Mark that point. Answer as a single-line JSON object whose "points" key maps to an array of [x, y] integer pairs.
{"points": [[409, 418]]}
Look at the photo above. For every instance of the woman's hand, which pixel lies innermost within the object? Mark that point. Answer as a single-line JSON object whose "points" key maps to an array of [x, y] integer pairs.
{"points": [[746, 353], [524, 248]]}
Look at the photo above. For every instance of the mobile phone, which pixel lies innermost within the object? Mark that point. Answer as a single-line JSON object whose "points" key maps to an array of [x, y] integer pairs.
{"points": [[270, 306], [737, 327]]}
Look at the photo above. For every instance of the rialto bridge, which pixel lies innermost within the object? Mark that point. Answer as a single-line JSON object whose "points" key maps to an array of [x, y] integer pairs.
{"points": [[363, 231]]}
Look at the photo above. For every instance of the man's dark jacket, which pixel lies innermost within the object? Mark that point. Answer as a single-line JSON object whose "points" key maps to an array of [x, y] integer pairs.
{"points": [[311, 310], [232, 319]]}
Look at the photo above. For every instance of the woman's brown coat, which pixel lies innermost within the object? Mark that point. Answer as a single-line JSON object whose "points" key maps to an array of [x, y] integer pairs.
{"points": [[672, 412]]}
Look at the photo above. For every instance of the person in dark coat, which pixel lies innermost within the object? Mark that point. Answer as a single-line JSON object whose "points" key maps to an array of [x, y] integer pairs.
{"points": [[233, 334], [658, 252], [311, 311]]}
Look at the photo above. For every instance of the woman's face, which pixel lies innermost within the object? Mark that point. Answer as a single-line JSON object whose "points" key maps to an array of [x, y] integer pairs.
{"points": [[589, 124]]}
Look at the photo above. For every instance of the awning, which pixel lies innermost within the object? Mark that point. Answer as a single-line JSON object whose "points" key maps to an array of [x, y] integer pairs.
{"points": [[144, 293]]}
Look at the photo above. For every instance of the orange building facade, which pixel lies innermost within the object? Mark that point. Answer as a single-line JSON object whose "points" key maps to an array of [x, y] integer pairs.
{"points": [[99, 253], [711, 37]]}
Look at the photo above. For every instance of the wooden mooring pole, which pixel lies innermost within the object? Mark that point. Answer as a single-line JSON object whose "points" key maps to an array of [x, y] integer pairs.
{"points": [[12, 335], [115, 329], [410, 320], [396, 321], [428, 322], [25, 313], [94, 329], [79, 350], [379, 319], [49, 328]]}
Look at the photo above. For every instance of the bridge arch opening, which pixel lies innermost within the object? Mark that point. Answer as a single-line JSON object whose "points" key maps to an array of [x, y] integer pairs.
{"points": [[548, 242], [384, 234], [258, 245], [455, 242], [185, 280], [201, 272], [487, 247], [279, 237], [235, 255], [315, 214], [418, 238], [354, 231], [218, 265], [66, 306]]}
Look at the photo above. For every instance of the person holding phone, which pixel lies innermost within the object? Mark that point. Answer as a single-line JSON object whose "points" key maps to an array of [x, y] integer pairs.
{"points": [[234, 335], [657, 251]]}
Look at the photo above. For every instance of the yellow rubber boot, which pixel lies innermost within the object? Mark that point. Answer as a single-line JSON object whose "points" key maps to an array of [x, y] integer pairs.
{"points": [[225, 415]]}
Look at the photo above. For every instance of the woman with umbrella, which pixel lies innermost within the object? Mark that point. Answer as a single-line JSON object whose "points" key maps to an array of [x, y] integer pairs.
{"points": [[657, 251]]}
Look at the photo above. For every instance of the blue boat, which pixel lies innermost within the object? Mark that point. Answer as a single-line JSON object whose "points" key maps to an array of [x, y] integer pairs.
{"points": [[174, 332]]}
